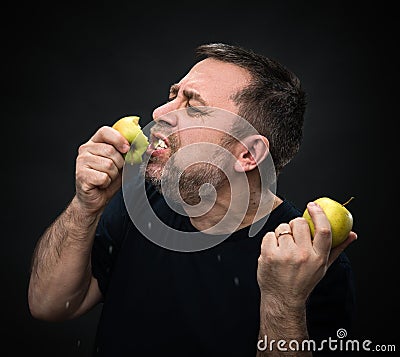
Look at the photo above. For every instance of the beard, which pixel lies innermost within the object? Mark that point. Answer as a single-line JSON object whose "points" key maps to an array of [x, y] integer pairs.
{"points": [[192, 184], [197, 182]]}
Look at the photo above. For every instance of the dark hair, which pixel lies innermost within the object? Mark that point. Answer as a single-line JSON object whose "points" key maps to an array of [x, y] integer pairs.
{"points": [[273, 103]]}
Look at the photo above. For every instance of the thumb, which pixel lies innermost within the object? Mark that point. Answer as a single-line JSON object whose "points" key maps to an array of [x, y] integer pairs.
{"points": [[322, 240]]}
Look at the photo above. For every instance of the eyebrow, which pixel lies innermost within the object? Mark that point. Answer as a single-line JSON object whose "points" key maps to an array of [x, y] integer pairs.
{"points": [[189, 94]]}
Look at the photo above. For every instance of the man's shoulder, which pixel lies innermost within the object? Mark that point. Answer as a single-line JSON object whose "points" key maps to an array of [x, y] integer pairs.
{"points": [[285, 212]]}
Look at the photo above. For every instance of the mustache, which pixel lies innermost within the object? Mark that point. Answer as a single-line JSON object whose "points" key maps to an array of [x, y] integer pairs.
{"points": [[168, 131], [163, 128]]}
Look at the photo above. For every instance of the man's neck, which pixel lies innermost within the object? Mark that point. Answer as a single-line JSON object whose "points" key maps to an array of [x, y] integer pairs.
{"points": [[232, 212]]}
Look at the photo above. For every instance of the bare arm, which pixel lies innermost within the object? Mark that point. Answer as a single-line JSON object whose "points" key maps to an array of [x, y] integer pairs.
{"points": [[289, 268], [61, 285], [279, 325]]}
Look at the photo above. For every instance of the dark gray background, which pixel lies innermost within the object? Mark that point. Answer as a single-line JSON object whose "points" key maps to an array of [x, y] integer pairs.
{"points": [[68, 69]]}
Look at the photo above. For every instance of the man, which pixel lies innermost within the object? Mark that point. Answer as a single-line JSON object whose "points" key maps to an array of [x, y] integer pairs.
{"points": [[175, 298]]}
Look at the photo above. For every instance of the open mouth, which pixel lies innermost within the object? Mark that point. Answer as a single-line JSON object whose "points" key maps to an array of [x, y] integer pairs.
{"points": [[158, 144]]}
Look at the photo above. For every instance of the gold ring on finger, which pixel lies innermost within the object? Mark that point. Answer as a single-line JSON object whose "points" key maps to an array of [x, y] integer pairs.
{"points": [[284, 232]]}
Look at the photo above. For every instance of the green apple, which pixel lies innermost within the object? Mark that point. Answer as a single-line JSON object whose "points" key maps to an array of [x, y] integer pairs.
{"points": [[129, 127], [339, 217]]}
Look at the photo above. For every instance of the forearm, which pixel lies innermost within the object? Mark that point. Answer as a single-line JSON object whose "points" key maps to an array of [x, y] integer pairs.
{"points": [[61, 269], [283, 328]]}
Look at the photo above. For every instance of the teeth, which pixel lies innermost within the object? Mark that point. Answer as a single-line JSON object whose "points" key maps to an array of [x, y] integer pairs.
{"points": [[160, 144]]}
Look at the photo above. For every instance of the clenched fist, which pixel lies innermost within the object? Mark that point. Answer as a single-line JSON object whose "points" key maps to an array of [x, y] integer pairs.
{"points": [[98, 168], [291, 263]]}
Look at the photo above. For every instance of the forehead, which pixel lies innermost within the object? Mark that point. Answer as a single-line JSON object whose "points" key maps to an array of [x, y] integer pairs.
{"points": [[216, 81]]}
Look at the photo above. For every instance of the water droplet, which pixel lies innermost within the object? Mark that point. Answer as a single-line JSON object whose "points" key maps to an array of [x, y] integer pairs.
{"points": [[110, 249], [236, 280], [67, 305], [149, 225], [219, 257]]}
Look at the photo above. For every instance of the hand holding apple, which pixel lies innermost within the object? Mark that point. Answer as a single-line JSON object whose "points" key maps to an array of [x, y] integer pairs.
{"points": [[129, 127], [339, 217]]}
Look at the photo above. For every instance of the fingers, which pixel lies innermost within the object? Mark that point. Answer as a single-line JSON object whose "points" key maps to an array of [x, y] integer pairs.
{"points": [[99, 160], [297, 233], [112, 137], [90, 178], [335, 252], [322, 241], [301, 232], [101, 152], [104, 166], [284, 235], [268, 244], [108, 143]]}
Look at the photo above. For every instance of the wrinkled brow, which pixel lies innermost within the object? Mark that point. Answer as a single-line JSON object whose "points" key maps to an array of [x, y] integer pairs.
{"points": [[188, 93]]}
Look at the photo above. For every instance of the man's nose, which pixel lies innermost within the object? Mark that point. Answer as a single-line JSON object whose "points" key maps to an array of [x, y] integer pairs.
{"points": [[164, 113]]}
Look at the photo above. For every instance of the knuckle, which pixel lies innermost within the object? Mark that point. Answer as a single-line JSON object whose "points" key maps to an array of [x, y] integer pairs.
{"points": [[80, 157], [263, 249], [268, 261], [299, 221], [120, 163], [103, 129], [320, 262], [296, 259], [266, 256], [81, 173], [324, 231], [269, 257], [107, 151], [82, 148], [261, 261], [81, 162], [103, 178], [283, 226], [84, 187], [108, 164], [78, 176], [77, 162], [287, 258], [303, 257]]}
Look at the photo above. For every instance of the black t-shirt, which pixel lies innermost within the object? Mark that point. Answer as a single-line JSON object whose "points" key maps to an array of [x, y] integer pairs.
{"points": [[161, 302]]}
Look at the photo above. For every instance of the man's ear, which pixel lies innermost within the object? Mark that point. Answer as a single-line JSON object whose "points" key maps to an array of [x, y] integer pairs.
{"points": [[253, 151]]}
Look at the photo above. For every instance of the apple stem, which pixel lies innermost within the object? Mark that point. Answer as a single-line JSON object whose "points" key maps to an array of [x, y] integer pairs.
{"points": [[350, 199]]}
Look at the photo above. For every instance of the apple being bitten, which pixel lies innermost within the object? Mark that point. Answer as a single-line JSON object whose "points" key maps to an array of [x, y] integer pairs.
{"points": [[339, 217], [129, 127]]}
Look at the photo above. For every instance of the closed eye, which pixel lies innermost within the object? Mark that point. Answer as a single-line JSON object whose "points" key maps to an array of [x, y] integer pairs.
{"points": [[197, 112]]}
